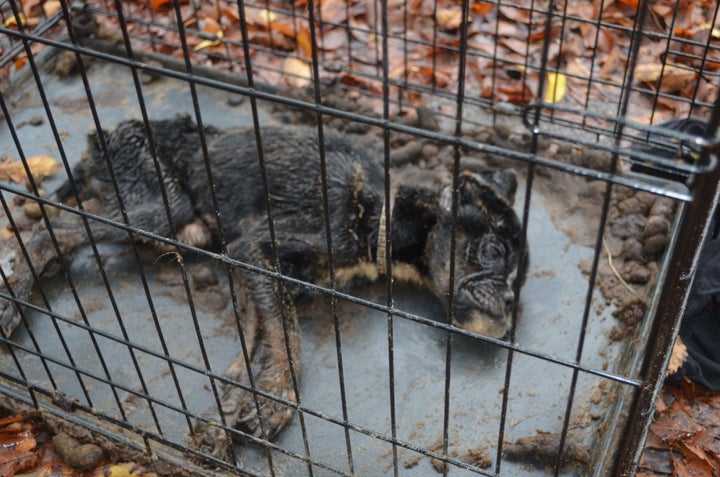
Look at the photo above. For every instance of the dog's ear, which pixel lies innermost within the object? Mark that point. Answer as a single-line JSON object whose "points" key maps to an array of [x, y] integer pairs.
{"points": [[93, 140], [504, 182]]}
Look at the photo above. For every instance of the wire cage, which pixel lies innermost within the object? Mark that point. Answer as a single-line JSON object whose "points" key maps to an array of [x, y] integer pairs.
{"points": [[606, 111]]}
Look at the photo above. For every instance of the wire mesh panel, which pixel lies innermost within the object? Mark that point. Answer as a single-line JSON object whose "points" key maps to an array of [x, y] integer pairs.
{"points": [[354, 237]]}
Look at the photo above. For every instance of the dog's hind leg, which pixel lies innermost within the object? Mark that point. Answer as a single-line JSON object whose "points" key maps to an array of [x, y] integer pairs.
{"points": [[41, 256], [49, 247], [206, 436]]}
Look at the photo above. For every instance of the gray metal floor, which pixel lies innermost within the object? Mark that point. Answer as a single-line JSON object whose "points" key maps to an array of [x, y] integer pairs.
{"points": [[552, 306]]}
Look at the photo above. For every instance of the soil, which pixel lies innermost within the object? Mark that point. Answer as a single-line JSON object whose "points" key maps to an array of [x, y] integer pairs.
{"points": [[543, 449], [83, 450]]}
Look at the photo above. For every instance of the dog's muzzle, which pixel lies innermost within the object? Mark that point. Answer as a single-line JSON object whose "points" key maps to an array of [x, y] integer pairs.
{"points": [[483, 305]]}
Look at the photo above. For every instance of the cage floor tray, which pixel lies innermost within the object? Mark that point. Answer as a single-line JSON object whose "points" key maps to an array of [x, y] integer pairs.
{"points": [[553, 300]]}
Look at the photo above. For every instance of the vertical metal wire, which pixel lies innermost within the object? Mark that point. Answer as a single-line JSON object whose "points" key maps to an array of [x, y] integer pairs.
{"points": [[34, 188], [706, 51], [633, 58], [593, 56], [696, 221], [349, 35], [5, 339], [23, 250], [271, 230], [661, 74], [495, 67], [328, 233], [459, 101], [435, 47], [59, 143], [173, 231], [388, 220]]}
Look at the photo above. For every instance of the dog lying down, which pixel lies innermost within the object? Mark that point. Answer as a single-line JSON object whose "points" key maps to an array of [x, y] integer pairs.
{"points": [[488, 233]]}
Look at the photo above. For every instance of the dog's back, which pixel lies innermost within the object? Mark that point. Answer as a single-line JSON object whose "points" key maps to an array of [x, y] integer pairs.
{"points": [[291, 158]]}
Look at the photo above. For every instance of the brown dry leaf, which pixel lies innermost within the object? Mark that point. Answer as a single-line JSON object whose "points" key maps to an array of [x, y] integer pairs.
{"points": [[673, 78], [259, 16], [520, 15], [333, 11], [41, 166], [297, 71], [157, 5], [304, 42], [678, 356], [210, 25], [449, 19], [481, 8]]}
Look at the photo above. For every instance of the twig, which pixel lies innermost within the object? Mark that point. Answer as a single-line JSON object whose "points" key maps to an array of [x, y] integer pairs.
{"points": [[612, 267]]}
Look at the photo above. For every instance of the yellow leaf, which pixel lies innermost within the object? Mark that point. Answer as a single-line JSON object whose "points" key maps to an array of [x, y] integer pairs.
{"points": [[208, 43], [268, 16], [41, 166], [128, 469], [556, 87]]}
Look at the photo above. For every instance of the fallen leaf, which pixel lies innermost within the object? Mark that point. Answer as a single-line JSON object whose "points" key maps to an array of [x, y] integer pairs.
{"points": [[158, 5], [673, 78], [261, 17], [449, 19], [128, 469], [210, 25], [22, 20], [481, 8], [51, 7], [556, 87], [629, 3], [40, 166], [304, 42], [297, 71]]}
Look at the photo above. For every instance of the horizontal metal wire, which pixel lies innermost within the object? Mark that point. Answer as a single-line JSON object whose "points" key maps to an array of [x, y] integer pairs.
{"points": [[312, 288]]}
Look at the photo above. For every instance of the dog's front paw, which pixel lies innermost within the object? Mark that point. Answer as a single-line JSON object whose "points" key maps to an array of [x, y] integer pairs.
{"points": [[211, 440]]}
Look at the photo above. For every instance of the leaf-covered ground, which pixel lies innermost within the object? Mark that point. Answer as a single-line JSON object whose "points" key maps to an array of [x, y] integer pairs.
{"points": [[685, 436]]}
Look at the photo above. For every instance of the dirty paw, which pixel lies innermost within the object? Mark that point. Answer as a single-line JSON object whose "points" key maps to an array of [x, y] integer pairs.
{"points": [[272, 417], [210, 439], [241, 410]]}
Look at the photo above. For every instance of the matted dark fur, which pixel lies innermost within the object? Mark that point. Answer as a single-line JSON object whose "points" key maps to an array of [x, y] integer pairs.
{"points": [[488, 232]]}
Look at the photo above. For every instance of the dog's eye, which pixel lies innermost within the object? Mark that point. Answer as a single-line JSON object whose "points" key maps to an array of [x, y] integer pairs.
{"points": [[487, 252], [490, 252]]}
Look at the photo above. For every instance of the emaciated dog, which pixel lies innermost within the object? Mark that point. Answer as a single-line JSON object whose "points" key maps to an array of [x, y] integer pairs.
{"points": [[489, 252]]}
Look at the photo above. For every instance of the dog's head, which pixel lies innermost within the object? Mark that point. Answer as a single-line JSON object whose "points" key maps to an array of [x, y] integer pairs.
{"points": [[488, 254]]}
